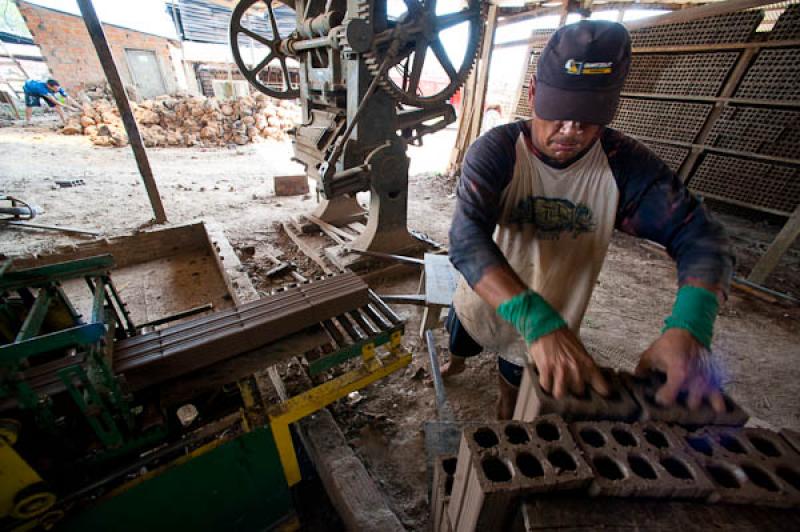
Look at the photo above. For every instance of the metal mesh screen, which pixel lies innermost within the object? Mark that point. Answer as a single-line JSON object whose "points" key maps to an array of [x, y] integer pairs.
{"points": [[752, 183], [788, 25], [775, 75], [729, 28], [523, 108], [672, 155], [676, 121], [539, 38], [682, 74], [758, 130]]}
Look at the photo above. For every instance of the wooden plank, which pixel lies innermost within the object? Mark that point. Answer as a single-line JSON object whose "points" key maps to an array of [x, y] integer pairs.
{"points": [[358, 500], [515, 15], [440, 280], [307, 250], [239, 285], [712, 99], [684, 48], [782, 242], [339, 235], [687, 15]]}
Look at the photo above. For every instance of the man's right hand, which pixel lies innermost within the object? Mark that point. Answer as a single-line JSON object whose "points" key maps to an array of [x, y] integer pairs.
{"points": [[564, 365]]}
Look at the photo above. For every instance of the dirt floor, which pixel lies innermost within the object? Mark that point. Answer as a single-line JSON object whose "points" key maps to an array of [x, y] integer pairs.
{"points": [[756, 341]]}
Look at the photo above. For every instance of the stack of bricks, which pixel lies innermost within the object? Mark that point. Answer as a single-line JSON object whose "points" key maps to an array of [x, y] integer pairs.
{"points": [[444, 470], [623, 445], [500, 462]]}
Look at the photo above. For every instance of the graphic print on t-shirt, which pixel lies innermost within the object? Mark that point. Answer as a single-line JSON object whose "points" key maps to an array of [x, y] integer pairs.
{"points": [[553, 216]]}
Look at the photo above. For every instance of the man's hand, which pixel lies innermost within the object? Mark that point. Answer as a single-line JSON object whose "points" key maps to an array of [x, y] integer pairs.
{"points": [[564, 365], [688, 367]]}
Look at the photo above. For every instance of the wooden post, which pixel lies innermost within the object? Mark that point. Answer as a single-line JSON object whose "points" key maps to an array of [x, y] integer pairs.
{"points": [[782, 242], [728, 90], [98, 37], [565, 5], [474, 96], [483, 77], [687, 15]]}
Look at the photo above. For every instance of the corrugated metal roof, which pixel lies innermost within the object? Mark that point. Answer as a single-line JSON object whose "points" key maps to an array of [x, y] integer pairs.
{"points": [[207, 22]]}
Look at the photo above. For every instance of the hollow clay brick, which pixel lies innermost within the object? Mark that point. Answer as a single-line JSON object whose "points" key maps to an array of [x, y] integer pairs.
{"points": [[500, 462], [443, 473], [644, 391], [533, 401], [489, 493], [744, 469], [639, 461]]}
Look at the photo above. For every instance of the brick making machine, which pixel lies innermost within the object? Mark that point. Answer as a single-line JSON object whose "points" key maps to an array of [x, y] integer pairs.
{"points": [[374, 77], [106, 425]]}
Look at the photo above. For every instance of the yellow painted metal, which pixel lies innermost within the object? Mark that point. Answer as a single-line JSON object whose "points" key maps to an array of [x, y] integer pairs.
{"points": [[20, 497], [290, 525], [394, 341], [252, 413], [300, 406], [368, 352]]}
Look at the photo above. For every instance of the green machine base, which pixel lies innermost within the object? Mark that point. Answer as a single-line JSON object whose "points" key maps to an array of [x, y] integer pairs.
{"points": [[238, 485]]}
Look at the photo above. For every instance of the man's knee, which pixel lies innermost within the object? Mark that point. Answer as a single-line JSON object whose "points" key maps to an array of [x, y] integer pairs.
{"points": [[461, 344]]}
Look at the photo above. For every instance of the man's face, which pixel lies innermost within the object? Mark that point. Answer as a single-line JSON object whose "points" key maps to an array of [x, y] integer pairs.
{"points": [[53, 88], [561, 140]]}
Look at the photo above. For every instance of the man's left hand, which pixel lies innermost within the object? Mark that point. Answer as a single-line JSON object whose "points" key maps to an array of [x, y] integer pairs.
{"points": [[688, 367]]}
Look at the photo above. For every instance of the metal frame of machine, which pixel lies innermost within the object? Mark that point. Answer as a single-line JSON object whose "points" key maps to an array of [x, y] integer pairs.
{"points": [[40, 325], [360, 91]]}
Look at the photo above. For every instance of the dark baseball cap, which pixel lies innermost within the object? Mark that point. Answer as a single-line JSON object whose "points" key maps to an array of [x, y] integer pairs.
{"points": [[581, 72]]}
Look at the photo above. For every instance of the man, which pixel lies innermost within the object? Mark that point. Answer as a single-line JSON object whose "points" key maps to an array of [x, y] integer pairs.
{"points": [[552, 191], [36, 91]]}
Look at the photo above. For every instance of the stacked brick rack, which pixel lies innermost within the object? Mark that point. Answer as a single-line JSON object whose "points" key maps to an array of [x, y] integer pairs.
{"points": [[644, 451], [717, 100], [726, 102]]}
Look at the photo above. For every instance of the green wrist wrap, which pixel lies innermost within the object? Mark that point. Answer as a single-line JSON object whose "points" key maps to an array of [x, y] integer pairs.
{"points": [[695, 310], [531, 315]]}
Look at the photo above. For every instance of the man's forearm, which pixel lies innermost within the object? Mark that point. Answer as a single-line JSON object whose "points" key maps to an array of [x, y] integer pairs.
{"points": [[499, 284]]}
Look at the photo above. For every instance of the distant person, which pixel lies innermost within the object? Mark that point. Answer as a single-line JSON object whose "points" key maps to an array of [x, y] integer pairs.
{"points": [[492, 117], [36, 91]]}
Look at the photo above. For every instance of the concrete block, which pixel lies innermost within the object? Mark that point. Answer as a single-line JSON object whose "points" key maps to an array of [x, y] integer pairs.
{"points": [[533, 401], [444, 470], [747, 466], [639, 460], [291, 185], [644, 391], [500, 462]]}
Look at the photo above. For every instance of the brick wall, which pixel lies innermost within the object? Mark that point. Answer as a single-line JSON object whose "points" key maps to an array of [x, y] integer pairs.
{"points": [[72, 59]]}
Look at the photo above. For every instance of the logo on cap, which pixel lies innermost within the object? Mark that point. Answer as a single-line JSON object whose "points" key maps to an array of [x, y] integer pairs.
{"points": [[579, 68]]}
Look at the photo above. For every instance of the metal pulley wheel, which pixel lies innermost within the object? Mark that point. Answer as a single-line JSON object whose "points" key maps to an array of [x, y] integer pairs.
{"points": [[440, 40], [257, 42]]}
